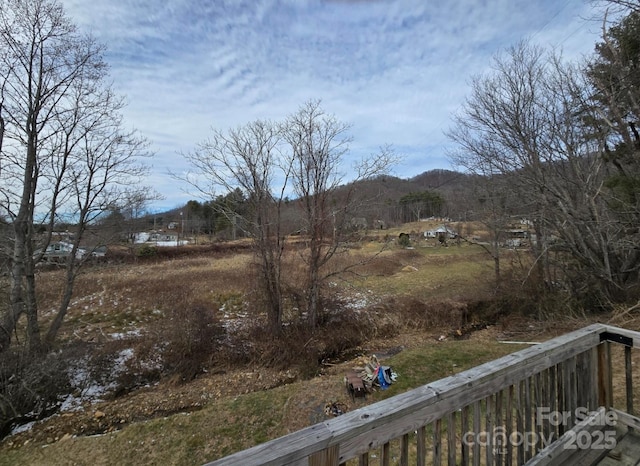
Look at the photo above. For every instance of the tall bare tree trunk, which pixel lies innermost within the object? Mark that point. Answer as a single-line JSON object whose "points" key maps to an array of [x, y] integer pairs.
{"points": [[54, 328], [313, 287], [22, 295]]}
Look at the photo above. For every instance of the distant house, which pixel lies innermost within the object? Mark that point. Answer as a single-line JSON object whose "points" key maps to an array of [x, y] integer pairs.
{"points": [[158, 238], [59, 251], [141, 237], [516, 238], [162, 236], [442, 231]]}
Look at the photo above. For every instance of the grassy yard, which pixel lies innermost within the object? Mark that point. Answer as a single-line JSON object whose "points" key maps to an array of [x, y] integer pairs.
{"points": [[238, 422]]}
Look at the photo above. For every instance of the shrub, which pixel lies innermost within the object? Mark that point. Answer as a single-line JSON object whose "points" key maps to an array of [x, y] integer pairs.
{"points": [[192, 338], [181, 345], [32, 387], [404, 240], [147, 250]]}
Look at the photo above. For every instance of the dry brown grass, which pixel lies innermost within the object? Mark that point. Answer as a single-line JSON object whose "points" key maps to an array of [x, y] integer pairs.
{"points": [[412, 296], [159, 301], [426, 285], [116, 298]]}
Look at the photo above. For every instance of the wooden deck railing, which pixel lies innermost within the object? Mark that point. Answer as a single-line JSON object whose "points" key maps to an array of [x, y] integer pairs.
{"points": [[513, 410]]}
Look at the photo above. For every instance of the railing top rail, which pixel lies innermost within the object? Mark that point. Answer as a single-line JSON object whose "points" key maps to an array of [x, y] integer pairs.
{"points": [[365, 428]]}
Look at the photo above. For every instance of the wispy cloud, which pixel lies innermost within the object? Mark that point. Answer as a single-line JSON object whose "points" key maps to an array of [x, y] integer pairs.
{"points": [[395, 70]]}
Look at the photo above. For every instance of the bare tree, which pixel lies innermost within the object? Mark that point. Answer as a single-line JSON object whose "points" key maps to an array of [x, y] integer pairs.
{"points": [[105, 161], [492, 201], [248, 158], [264, 161], [63, 146], [533, 119], [622, 5], [318, 145]]}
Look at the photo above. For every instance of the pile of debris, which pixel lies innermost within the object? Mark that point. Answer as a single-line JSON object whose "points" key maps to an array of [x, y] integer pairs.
{"points": [[368, 376]]}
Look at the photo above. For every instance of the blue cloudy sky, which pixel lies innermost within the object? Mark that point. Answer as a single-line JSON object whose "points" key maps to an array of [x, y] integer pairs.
{"points": [[395, 70]]}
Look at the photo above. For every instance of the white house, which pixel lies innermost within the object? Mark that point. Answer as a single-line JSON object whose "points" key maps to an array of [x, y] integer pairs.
{"points": [[442, 230], [59, 251], [158, 238]]}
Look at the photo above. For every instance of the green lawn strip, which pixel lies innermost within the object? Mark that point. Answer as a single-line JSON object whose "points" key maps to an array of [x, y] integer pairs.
{"points": [[438, 360]]}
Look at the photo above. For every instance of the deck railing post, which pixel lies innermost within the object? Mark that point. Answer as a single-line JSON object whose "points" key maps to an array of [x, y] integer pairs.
{"points": [[437, 446], [464, 429], [404, 450], [451, 438], [628, 379], [327, 457], [605, 383], [520, 420], [489, 447], [422, 446], [477, 423], [509, 425]]}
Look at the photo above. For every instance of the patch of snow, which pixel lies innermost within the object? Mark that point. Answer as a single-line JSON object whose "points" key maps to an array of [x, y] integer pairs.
{"points": [[358, 301], [86, 388], [22, 428], [124, 335]]}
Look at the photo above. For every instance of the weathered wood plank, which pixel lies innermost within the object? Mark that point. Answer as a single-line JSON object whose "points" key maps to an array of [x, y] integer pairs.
{"points": [[573, 380], [528, 420], [499, 446], [544, 428], [553, 398], [421, 446], [560, 379], [605, 390], [437, 442], [464, 429], [325, 457], [520, 419], [593, 404], [451, 438], [628, 373], [509, 426], [293, 449], [477, 422], [489, 430], [626, 419], [385, 454], [538, 402], [586, 381], [404, 450]]}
